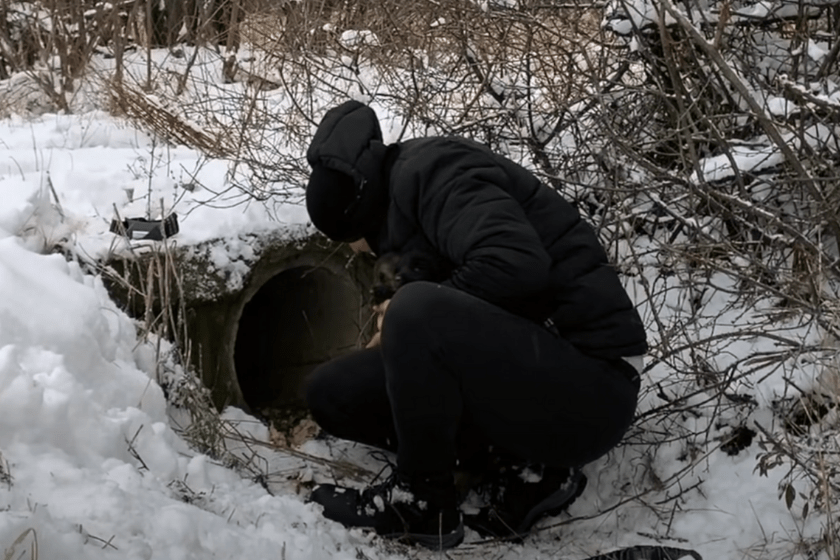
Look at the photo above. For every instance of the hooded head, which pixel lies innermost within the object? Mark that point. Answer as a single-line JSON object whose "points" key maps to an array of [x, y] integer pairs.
{"points": [[346, 196]]}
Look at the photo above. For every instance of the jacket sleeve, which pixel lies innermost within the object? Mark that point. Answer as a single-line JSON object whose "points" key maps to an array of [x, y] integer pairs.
{"points": [[484, 232]]}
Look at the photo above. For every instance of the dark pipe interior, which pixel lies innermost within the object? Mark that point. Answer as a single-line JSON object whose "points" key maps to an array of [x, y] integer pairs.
{"points": [[298, 319]]}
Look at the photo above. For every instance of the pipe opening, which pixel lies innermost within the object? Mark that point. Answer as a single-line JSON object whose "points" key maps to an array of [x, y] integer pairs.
{"points": [[299, 318]]}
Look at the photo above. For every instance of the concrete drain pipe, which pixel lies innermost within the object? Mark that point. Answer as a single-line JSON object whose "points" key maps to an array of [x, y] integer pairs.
{"points": [[256, 333]]}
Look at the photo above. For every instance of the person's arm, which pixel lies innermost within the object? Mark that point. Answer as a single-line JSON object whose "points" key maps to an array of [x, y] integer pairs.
{"points": [[498, 255]]}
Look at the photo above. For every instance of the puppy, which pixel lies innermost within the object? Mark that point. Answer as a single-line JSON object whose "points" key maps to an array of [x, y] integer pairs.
{"points": [[393, 271]]}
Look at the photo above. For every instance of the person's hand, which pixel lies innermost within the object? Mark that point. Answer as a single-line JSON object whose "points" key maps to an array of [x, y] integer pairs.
{"points": [[380, 311], [375, 340], [380, 315]]}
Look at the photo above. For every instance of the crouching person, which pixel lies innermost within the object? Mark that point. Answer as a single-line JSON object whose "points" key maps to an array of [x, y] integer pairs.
{"points": [[517, 368]]}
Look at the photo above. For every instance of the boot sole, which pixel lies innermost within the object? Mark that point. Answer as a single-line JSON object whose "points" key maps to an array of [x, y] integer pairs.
{"points": [[555, 503], [433, 542], [488, 523]]}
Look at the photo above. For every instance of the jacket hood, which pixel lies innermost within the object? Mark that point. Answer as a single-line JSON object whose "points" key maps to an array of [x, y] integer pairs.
{"points": [[349, 140]]}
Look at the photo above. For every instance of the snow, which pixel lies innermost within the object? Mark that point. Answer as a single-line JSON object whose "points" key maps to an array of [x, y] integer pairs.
{"points": [[761, 154], [625, 16], [351, 38], [93, 463], [93, 459], [101, 168]]}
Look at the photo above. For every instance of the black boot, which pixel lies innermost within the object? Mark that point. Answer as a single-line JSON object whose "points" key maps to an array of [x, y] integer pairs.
{"points": [[520, 495], [414, 509]]}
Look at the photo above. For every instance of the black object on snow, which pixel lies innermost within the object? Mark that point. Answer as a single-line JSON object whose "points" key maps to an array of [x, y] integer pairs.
{"points": [[645, 552], [143, 229]]}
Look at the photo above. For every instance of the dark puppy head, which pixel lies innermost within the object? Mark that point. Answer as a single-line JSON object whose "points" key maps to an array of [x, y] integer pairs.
{"points": [[393, 271], [385, 282]]}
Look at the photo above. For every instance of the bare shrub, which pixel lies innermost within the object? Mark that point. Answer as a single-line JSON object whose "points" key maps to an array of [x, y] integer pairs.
{"points": [[729, 177]]}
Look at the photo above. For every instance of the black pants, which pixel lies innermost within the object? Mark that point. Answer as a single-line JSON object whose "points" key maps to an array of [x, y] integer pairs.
{"points": [[454, 373]]}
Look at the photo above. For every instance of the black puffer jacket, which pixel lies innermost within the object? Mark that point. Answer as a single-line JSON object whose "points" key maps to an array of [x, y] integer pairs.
{"points": [[513, 240]]}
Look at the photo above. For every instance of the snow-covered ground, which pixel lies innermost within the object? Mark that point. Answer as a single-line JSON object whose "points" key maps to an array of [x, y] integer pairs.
{"points": [[92, 464]]}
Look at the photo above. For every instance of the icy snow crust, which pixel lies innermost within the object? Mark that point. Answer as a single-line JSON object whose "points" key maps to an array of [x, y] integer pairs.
{"points": [[93, 464]]}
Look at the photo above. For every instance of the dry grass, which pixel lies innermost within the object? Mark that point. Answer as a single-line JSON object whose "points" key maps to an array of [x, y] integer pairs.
{"points": [[28, 553], [149, 113], [5, 472], [150, 285]]}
